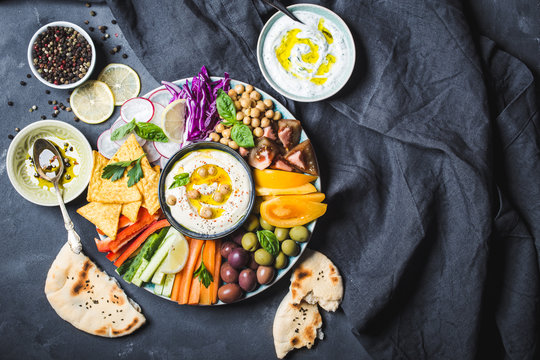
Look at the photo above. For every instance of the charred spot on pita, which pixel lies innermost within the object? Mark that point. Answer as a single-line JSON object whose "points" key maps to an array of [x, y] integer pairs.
{"points": [[295, 341]]}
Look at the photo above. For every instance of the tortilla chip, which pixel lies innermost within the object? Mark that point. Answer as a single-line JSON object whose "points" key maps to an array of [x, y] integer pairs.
{"points": [[148, 186], [106, 191], [157, 169], [131, 210], [104, 216], [130, 150]]}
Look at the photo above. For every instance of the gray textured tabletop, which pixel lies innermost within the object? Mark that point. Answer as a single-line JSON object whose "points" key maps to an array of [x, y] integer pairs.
{"points": [[32, 235], [29, 327]]}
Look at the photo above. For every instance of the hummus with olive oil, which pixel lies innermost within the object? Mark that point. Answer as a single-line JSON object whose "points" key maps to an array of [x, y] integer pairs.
{"points": [[216, 196]]}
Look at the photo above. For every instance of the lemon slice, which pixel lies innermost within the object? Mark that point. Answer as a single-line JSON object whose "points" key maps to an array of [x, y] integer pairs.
{"points": [[177, 257], [172, 120], [123, 81], [92, 102]]}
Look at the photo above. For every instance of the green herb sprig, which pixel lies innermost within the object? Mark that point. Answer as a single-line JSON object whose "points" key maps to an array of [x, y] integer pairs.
{"points": [[268, 241], [180, 180], [144, 130], [115, 171], [203, 274], [240, 133]]}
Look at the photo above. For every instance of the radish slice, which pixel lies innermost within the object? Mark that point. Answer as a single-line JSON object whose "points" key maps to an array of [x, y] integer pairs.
{"points": [[163, 161], [151, 152], [140, 109], [105, 145], [161, 97], [120, 123], [167, 149], [158, 111]]}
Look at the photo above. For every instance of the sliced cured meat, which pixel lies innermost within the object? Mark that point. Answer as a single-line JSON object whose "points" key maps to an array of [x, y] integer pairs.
{"points": [[269, 133], [289, 132], [281, 164], [302, 157], [263, 154], [243, 151]]}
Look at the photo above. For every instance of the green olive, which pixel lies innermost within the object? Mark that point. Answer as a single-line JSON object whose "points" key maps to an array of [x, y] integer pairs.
{"points": [[250, 241], [281, 233], [263, 257], [265, 225], [281, 261], [290, 247], [299, 233], [252, 223]]}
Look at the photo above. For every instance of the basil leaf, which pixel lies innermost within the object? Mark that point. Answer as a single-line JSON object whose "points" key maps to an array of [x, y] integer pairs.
{"points": [[180, 180], [135, 173], [123, 130], [268, 241], [242, 135], [150, 132], [225, 107]]}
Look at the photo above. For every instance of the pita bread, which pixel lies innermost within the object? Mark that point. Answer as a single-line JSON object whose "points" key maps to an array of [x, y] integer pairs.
{"points": [[296, 326], [317, 280], [88, 298]]}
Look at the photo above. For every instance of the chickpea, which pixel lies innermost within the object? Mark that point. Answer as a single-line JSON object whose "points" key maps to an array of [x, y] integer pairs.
{"points": [[171, 200], [193, 194], [214, 137], [218, 197], [253, 103], [258, 132], [255, 113], [224, 141], [245, 102], [255, 95], [202, 172], [232, 93], [206, 212], [277, 115], [220, 127], [247, 120], [269, 104], [269, 114], [224, 189], [239, 88], [265, 122], [237, 105], [249, 88], [226, 133], [239, 116], [260, 105], [233, 145], [212, 170], [255, 122]]}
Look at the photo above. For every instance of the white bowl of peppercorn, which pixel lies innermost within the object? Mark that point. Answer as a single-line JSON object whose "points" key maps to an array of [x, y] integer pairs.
{"points": [[61, 55]]}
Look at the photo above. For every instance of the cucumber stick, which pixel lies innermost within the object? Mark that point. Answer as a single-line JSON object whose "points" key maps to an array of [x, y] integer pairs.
{"points": [[168, 285], [158, 276], [137, 278], [158, 289], [160, 254]]}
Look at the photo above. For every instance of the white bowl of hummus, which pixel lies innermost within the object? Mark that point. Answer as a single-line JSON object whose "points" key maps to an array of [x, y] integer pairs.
{"points": [[306, 62], [206, 190]]}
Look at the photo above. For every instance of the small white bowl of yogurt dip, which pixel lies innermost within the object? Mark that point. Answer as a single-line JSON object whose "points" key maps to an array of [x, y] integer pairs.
{"points": [[306, 62]]}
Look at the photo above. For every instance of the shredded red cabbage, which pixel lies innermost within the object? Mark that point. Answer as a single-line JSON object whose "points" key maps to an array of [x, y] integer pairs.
{"points": [[201, 112]]}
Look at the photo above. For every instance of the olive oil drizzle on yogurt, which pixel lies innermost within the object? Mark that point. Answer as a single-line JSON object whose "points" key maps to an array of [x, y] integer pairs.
{"points": [[69, 167]]}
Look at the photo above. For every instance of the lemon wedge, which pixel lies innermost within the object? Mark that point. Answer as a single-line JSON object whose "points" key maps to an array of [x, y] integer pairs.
{"points": [[172, 120], [92, 102], [177, 257], [123, 81]]}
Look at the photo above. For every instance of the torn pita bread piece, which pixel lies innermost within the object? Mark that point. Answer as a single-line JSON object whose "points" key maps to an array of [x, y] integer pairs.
{"points": [[317, 280], [104, 216], [296, 326], [88, 298]]}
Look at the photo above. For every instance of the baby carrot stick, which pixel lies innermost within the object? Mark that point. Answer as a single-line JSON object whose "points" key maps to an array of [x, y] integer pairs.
{"points": [[194, 251]]}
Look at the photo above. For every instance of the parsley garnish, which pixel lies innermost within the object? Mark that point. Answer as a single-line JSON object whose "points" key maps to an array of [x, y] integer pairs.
{"points": [[115, 171], [202, 272], [180, 180]]}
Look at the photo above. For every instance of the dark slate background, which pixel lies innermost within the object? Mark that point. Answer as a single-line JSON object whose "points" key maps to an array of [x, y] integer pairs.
{"points": [[29, 328]]}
